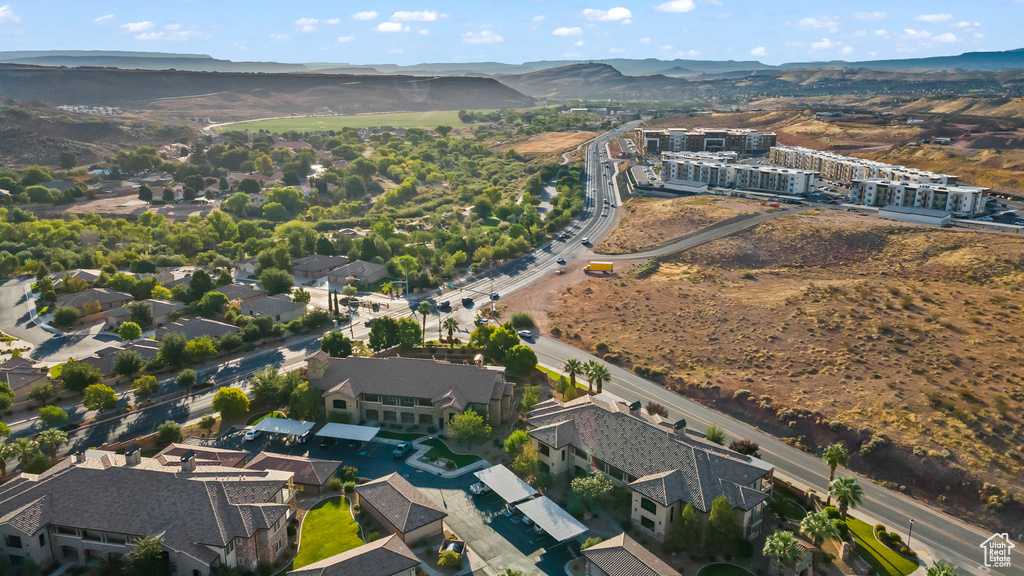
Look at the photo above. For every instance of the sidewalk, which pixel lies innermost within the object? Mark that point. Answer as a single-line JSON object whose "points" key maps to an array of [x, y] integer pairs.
{"points": [[422, 449]]}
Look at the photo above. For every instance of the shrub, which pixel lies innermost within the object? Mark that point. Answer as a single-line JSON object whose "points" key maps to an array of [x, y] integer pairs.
{"points": [[449, 560], [745, 549], [291, 530], [522, 320], [832, 512], [334, 485], [748, 275], [350, 487], [349, 473], [742, 394], [626, 525], [895, 538], [593, 541], [372, 536], [879, 528], [844, 529]]}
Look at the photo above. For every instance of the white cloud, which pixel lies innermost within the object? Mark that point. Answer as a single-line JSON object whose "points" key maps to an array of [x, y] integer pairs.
{"points": [[306, 25], [830, 22], [7, 16], [947, 37], [417, 16], [693, 53], [482, 37], [846, 50], [106, 18], [966, 24], [280, 36], [564, 31], [131, 26], [627, 21], [933, 18], [871, 16], [172, 35], [917, 34], [578, 43], [369, 15], [759, 51], [395, 51], [346, 38], [392, 27], [423, 32], [676, 6], [613, 15], [881, 33], [823, 44], [537, 18], [172, 27], [332, 21], [667, 47], [645, 40]]}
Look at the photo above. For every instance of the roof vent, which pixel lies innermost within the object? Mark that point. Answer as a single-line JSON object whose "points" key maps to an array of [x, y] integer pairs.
{"points": [[680, 426], [634, 408], [133, 455], [188, 461]]}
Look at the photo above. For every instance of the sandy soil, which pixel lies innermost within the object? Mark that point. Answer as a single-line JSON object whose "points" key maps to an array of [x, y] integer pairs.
{"points": [[552, 142]]}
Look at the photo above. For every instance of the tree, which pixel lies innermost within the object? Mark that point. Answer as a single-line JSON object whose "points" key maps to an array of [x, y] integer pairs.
{"points": [[267, 387], [43, 393], [52, 438], [275, 281], [835, 455], [201, 349], [687, 532], [237, 203], [599, 374], [501, 341], [186, 379], [199, 284], [172, 351], [6, 451], [6, 396], [655, 409], [212, 304], [520, 360], [264, 165], [940, 568], [449, 560], [169, 431], [336, 344], [65, 316], [783, 548], [230, 402], [129, 331], [424, 310], [128, 362], [715, 434], [531, 395], [450, 325], [468, 427], [305, 402], [819, 527], [722, 529], [527, 463], [99, 397], [67, 160], [141, 312], [249, 186], [301, 295], [847, 492], [745, 447], [206, 423], [145, 193], [573, 368], [50, 415], [146, 558], [387, 332], [516, 441], [591, 488], [145, 386], [24, 449], [77, 376], [168, 194]]}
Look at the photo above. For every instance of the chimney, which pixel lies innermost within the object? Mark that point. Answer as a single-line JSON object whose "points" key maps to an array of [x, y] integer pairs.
{"points": [[188, 461], [79, 457], [679, 428], [133, 456], [478, 360], [634, 408]]}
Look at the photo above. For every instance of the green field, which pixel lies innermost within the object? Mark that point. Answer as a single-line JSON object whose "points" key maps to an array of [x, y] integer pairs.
{"points": [[321, 123]]}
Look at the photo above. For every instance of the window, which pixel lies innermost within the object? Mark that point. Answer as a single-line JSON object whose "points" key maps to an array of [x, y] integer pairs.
{"points": [[277, 546], [371, 398], [372, 415], [563, 454], [12, 541], [647, 523], [671, 513], [424, 402], [426, 419], [340, 404], [544, 450], [407, 402], [390, 416], [408, 418], [391, 400], [648, 505], [42, 539], [277, 526], [231, 546]]}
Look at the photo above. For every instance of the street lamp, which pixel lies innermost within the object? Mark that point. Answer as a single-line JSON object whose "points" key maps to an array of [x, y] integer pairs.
{"points": [[910, 533]]}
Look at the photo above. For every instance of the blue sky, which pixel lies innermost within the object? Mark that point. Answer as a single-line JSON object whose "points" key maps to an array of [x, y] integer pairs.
{"points": [[414, 31]]}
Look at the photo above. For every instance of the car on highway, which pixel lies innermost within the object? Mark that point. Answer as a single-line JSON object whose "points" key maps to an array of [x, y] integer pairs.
{"points": [[495, 296], [444, 306], [525, 334], [479, 488], [402, 450], [368, 323], [560, 260], [585, 241], [467, 301], [251, 434], [604, 214]]}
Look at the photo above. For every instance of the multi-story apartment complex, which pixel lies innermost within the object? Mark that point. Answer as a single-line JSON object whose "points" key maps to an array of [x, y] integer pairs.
{"points": [[832, 166], [664, 465], [720, 170], [703, 140], [960, 201]]}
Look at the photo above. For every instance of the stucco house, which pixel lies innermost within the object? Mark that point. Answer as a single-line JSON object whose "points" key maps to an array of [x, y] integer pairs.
{"points": [[280, 308], [310, 475], [316, 266], [358, 272], [383, 557], [623, 556], [400, 508], [21, 374], [162, 311], [106, 298], [409, 390]]}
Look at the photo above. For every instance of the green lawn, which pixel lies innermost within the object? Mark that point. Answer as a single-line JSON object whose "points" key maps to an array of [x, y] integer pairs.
{"points": [[792, 510], [403, 436], [884, 560], [327, 529], [723, 569], [323, 123], [580, 382], [438, 449], [256, 419]]}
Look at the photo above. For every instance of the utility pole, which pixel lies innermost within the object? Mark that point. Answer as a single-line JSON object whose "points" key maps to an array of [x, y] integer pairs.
{"points": [[910, 533]]}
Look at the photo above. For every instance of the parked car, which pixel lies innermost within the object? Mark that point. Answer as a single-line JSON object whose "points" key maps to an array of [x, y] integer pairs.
{"points": [[325, 442], [251, 434], [402, 450], [305, 437], [479, 488]]}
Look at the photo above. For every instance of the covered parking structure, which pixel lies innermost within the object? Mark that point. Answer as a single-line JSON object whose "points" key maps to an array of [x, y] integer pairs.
{"points": [[504, 483], [359, 434], [554, 521], [284, 426]]}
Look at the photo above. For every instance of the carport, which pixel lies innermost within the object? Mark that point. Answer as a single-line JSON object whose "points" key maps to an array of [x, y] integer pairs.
{"points": [[505, 484], [556, 522], [284, 426], [361, 434]]}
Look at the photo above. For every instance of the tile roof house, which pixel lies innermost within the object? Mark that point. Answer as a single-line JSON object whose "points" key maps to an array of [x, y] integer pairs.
{"points": [[106, 298], [362, 273], [280, 308], [408, 390], [103, 359], [84, 509], [623, 556], [88, 275], [192, 328], [665, 466], [21, 375], [241, 293], [202, 456], [162, 311], [401, 508], [311, 474], [316, 266], [383, 557]]}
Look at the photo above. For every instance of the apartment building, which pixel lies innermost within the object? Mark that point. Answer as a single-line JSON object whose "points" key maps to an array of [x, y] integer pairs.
{"points": [[703, 140], [720, 170], [960, 201], [832, 166], [85, 509], [665, 466]]}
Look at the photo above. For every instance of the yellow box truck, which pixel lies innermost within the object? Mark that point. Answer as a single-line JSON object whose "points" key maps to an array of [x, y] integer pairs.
{"points": [[598, 266]]}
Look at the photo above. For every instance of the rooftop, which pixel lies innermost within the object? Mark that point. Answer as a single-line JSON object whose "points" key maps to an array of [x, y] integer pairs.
{"points": [[311, 471], [398, 501], [101, 295], [623, 556], [357, 268], [160, 308], [204, 455], [383, 557], [195, 327], [272, 306], [318, 262]]}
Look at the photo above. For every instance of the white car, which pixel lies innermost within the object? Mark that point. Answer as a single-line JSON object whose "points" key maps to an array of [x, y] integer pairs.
{"points": [[525, 334], [560, 260], [252, 434], [479, 488], [585, 241]]}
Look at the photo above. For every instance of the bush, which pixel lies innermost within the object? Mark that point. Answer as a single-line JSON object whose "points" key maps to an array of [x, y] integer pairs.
{"points": [[626, 525], [449, 560], [291, 530], [745, 549], [522, 320], [844, 529], [895, 538], [593, 541], [350, 487], [832, 512], [879, 528], [349, 473], [334, 485], [372, 536]]}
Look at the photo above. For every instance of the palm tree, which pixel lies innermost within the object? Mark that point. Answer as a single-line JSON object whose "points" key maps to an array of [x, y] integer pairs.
{"points": [[53, 438], [424, 310], [847, 493], [835, 455], [24, 449], [514, 572], [783, 547], [940, 568], [6, 451], [451, 325], [819, 527], [573, 367], [599, 374], [588, 369]]}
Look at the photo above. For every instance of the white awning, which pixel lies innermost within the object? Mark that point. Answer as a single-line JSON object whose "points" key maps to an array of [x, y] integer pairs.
{"points": [[284, 426], [348, 432], [507, 485], [558, 523]]}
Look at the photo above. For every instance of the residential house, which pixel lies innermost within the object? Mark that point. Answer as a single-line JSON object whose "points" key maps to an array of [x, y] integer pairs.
{"points": [[383, 557], [358, 272], [409, 391], [162, 312], [623, 556], [241, 293], [21, 375], [103, 359], [664, 465], [280, 308], [311, 475], [247, 267], [107, 299], [201, 455], [400, 508], [316, 266], [88, 275], [85, 509], [192, 328]]}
